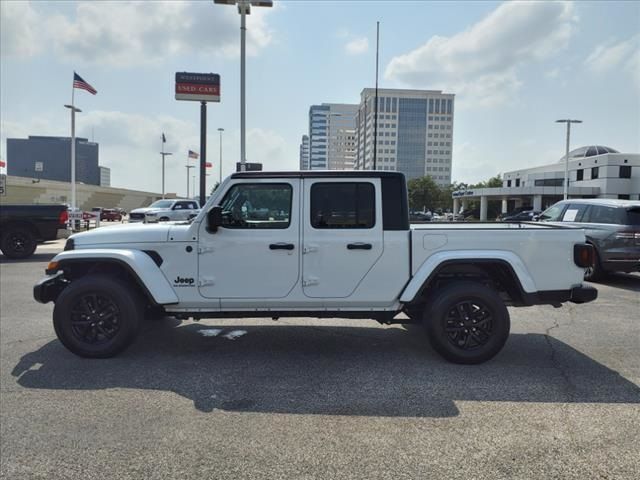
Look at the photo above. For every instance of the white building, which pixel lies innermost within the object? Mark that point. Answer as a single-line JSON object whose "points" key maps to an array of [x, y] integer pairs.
{"points": [[105, 176], [594, 172], [332, 136], [414, 132], [304, 153]]}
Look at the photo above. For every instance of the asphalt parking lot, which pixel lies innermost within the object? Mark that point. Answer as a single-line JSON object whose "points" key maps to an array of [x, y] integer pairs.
{"points": [[302, 398]]}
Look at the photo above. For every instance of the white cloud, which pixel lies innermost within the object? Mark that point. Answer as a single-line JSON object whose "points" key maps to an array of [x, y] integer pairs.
{"points": [[624, 54], [486, 57], [131, 33], [357, 46]]}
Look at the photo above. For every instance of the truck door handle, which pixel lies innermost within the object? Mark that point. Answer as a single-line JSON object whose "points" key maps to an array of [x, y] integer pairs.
{"points": [[359, 246], [281, 246]]}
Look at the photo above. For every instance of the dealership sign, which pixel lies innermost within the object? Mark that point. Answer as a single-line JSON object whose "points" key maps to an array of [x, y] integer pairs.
{"points": [[199, 87]]}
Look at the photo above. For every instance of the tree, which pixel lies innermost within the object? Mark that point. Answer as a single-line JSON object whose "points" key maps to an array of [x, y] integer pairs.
{"points": [[424, 192], [493, 182]]}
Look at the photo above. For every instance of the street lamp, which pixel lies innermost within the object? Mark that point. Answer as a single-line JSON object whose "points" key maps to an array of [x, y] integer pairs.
{"points": [[220, 130], [244, 9], [74, 110], [568, 121]]}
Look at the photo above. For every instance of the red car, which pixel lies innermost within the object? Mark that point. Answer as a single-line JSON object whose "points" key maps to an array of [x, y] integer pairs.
{"points": [[111, 215]]}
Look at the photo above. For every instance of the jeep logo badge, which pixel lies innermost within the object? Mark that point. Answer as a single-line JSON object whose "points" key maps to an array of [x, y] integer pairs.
{"points": [[183, 282]]}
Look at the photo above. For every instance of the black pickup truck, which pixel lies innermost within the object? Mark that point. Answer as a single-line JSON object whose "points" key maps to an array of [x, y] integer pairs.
{"points": [[22, 227]]}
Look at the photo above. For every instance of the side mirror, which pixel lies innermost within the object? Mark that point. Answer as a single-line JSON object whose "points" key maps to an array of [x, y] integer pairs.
{"points": [[214, 218]]}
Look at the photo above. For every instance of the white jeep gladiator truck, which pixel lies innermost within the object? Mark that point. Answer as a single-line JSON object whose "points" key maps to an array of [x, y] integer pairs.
{"points": [[313, 244]]}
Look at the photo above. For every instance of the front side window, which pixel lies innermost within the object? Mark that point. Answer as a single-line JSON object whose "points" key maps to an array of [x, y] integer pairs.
{"points": [[343, 205], [552, 214], [257, 205], [575, 212]]}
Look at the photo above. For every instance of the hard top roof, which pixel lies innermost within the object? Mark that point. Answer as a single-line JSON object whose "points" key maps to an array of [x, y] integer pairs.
{"points": [[320, 174]]}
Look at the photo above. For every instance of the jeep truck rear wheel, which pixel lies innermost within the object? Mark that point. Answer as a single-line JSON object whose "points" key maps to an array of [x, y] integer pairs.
{"points": [[467, 323], [97, 316]]}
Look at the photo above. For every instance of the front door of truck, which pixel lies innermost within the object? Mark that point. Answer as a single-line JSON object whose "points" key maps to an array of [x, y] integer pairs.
{"points": [[342, 234], [255, 253]]}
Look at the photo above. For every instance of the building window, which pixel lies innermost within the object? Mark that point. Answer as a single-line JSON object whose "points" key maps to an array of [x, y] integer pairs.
{"points": [[580, 174], [625, 171], [431, 105], [594, 172], [517, 182], [508, 183]]}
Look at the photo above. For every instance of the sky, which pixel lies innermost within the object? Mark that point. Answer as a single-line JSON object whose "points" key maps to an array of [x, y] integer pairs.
{"points": [[514, 67]]}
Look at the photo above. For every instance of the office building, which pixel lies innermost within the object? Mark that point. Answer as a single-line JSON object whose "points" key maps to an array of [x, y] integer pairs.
{"points": [[594, 172], [332, 136], [49, 158], [105, 176], [414, 132], [304, 153]]}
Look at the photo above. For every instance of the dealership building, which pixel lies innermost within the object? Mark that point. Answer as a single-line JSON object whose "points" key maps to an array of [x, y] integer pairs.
{"points": [[594, 172]]}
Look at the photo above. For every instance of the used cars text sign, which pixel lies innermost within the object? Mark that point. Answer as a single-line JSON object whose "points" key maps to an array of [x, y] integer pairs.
{"points": [[200, 87]]}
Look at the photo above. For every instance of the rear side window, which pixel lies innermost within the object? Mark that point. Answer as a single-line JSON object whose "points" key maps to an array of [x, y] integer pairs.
{"points": [[633, 216], [603, 214], [343, 205]]}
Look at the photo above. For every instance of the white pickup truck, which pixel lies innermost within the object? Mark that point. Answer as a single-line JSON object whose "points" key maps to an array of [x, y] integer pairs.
{"points": [[313, 244], [165, 211]]}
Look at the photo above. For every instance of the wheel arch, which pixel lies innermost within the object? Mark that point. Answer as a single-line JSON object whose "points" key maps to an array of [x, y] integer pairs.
{"points": [[508, 277], [139, 267]]}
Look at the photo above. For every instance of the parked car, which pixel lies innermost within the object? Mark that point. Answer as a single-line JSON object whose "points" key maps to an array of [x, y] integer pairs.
{"points": [[420, 216], [111, 215], [22, 227], [611, 226], [318, 244], [523, 216], [165, 211]]}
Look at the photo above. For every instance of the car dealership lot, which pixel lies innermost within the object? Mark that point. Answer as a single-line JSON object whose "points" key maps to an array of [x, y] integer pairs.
{"points": [[302, 398]]}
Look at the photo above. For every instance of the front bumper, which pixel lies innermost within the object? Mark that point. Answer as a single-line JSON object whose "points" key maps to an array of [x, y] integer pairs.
{"points": [[49, 287]]}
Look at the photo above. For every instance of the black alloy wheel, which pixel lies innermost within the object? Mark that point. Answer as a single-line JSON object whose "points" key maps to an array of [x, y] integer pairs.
{"points": [[98, 316], [95, 318], [18, 242], [466, 322]]}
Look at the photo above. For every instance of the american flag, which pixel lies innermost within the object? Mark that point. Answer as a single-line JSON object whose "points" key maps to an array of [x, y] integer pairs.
{"points": [[78, 82], [193, 154]]}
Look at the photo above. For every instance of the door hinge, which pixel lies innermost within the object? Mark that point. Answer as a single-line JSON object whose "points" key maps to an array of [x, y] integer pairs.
{"points": [[309, 249], [204, 281], [207, 249], [310, 281]]}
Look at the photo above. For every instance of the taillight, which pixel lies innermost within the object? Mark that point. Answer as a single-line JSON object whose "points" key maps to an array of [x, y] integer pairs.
{"points": [[63, 218], [583, 255]]}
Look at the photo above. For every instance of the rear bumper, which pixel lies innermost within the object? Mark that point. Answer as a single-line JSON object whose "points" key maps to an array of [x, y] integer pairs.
{"points": [[581, 294], [49, 288]]}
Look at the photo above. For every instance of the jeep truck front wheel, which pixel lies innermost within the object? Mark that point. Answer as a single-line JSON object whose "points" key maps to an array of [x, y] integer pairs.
{"points": [[97, 317], [467, 322]]}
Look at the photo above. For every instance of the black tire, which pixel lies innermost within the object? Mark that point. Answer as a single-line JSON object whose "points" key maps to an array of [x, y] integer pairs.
{"points": [[90, 300], [595, 272], [454, 312], [18, 242]]}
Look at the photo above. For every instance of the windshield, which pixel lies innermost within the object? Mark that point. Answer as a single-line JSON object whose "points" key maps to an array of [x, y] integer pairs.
{"points": [[161, 204]]}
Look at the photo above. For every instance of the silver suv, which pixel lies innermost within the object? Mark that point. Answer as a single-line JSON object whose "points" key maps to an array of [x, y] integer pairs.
{"points": [[611, 226]]}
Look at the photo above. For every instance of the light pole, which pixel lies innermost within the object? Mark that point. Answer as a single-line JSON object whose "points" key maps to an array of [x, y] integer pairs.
{"points": [[164, 154], [568, 121], [220, 130], [244, 9], [73, 109], [189, 167]]}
